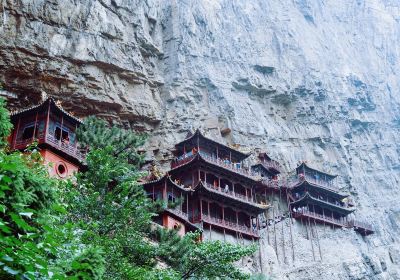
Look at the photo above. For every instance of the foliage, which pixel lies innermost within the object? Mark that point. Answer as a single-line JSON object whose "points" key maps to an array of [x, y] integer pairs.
{"points": [[95, 134], [202, 260], [5, 124], [25, 195]]}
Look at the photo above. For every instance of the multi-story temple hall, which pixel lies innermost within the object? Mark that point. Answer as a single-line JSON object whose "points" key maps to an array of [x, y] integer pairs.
{"points": [[313, 196], [218, 195], [54, 131]]}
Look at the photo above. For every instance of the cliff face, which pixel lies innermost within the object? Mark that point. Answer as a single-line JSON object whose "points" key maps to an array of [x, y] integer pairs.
{"points": [[304, 80]]}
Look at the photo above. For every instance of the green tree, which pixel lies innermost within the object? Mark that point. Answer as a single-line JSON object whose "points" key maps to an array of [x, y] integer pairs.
{"points": [[35, 242]]}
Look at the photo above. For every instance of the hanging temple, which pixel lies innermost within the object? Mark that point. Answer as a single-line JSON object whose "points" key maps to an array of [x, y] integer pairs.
{"points": [[208, 188]]}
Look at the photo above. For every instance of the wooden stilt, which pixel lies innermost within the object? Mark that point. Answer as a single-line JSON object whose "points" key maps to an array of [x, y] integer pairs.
{"points": [[276, 243], [310, 236]]}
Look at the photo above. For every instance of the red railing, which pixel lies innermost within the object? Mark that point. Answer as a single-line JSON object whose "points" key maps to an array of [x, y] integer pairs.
{"points": [[229, 225]]}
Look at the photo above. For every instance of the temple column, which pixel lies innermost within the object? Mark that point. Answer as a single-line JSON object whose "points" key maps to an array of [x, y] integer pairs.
{"points": [[34, 127], [201, 208], [16, 132], [62, 123], [165, 192], [187, 204]]}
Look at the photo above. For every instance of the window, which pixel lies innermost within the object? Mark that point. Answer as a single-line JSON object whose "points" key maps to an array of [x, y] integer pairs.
{"points": [[171, 197], [28, 132], [64, 135], [61, 169]]}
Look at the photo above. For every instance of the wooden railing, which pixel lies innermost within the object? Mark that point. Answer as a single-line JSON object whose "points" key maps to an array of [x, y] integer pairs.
{"points": [[272, 164], [337, 204], [50, 139], [231, 194], [71, 150], [309, 214], [235, 167], [322, 183], [230, 225], [178, 212], [361, 225]]}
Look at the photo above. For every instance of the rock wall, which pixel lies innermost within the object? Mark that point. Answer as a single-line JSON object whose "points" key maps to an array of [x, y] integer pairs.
{"points": [[305, 80]]}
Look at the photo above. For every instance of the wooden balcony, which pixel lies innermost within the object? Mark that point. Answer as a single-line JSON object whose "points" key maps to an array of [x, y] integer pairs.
{"points": [[306, 214], [234, 195], [361, 227], [233, 167], [50, 140], [228, 225], [271, 164]]}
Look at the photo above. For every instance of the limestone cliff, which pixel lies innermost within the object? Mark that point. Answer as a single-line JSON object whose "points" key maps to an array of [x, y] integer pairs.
{"points": [[305, 80]]}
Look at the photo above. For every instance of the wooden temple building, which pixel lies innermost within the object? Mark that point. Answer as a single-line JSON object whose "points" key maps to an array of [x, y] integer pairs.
{"points": [[217, 193], [209, 186], [313, 195], [54, 131]]}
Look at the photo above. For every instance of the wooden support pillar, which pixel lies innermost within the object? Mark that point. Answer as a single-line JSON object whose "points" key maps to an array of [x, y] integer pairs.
{"points": [[34, 127], [16, 132], [208, 208], [219, 182], [76, 140], [217, 153], [245, 189], [201, 208], [62, 123], [223, 213], [230, 156], [187, 204], [237, 218], [200, 175], [165, 198], [153, 192]]}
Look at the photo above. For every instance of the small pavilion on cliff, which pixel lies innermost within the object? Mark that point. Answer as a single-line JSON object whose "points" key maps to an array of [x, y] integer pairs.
{"points": [[313, 195], [54, 131]]}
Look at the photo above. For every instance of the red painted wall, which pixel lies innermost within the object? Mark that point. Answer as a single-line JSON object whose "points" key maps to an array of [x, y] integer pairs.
{"points": [[58, 166], [172, 223]]}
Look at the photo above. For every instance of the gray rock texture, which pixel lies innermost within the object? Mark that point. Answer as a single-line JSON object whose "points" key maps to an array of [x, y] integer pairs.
{"points": [[304, 80]]}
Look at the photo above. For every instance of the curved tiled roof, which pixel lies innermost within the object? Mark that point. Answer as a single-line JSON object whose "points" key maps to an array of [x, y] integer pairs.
{"points": [[314, 169], [198, 133], [48, 100], [338, 208]]}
